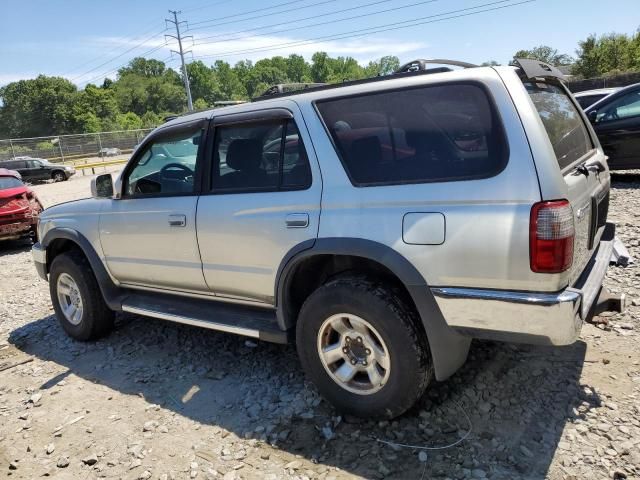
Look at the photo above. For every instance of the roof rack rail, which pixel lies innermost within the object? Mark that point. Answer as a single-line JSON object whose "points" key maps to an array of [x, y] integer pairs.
{"points": [[289, 87], [405, 70], [421, 64]]}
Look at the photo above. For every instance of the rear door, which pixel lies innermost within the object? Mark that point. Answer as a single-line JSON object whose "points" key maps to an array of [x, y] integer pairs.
{"points": [[263, 200], [617, 124], [588, 189]]}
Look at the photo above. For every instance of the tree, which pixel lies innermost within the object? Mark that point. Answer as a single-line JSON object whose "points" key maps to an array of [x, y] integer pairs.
{"points": [[204, 85], [37, 107], [297, 69], [128, 121], [545, 54], [608, 54], [490, 63], [320, 67], [231, 88]]}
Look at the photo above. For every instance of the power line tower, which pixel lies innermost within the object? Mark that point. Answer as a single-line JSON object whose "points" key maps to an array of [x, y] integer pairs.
{"points": [[181, 52]]}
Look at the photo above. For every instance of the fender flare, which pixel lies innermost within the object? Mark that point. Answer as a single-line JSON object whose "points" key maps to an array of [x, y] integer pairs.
{"points": [[110, 290], [449, 349]]}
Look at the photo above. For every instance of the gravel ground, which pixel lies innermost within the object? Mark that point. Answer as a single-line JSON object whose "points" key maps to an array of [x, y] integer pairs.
{"points": [[161, 400]]}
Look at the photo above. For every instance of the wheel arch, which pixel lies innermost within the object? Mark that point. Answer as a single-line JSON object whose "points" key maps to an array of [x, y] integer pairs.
{"points": [[58, 240], [329, 256]]}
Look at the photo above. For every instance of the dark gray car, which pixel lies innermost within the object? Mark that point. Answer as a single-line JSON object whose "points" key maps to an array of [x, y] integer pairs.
{"points": [[37, 169]]}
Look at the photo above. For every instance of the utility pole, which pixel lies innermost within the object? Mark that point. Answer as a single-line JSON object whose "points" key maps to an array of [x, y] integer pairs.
{"points": [[181, 53]]}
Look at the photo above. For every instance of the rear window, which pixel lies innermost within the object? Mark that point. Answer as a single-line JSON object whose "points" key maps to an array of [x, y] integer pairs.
{"points": [[9, 182], [434, 133], [562, 121]]}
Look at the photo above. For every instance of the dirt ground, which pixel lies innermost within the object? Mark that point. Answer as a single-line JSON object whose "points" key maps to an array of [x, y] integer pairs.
{"points": [[160, 400]]}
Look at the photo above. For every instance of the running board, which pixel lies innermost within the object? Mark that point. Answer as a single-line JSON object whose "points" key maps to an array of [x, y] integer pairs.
{"points": [[214, 315]]}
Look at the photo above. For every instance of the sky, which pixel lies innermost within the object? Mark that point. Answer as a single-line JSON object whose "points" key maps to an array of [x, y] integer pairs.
{"points": [[85, 41]]}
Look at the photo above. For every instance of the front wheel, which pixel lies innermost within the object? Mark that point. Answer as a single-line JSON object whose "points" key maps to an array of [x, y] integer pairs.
{"points": [[361, 344], [76, 298], [58, 176]]}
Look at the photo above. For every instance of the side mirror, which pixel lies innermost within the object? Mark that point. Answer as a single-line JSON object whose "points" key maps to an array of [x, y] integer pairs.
{"points": [[102, 186], [592, 115]]}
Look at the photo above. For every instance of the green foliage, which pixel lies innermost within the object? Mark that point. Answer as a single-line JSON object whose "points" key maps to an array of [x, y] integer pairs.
{"points": [[546, 54], [38, 107], [607, 54], [128, 121]]}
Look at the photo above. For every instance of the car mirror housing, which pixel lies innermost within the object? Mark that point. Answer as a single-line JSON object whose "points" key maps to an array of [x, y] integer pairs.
{"points": [[102, 186], [592, 115]]}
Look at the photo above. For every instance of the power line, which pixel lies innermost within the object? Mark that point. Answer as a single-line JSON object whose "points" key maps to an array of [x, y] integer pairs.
{"points": [[106, 53], [343, 19], [378, 29], [256, 16], [289, 22], [118, 56], [113, 70], [206, 5]]}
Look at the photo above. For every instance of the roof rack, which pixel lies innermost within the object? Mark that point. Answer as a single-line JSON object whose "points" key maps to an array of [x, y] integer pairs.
{"points": [[396, 74], [421, 64], [289, 87]]}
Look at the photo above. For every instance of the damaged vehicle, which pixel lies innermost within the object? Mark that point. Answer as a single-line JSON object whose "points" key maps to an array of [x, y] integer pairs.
{"points": [[19, 207]]}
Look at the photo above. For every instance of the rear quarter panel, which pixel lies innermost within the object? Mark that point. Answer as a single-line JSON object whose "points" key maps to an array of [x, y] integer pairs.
{"points": [[486, 242]]}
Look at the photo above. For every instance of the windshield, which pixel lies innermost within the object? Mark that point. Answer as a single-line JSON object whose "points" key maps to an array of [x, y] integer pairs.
{"points": [[562, 121], [9, 182]]}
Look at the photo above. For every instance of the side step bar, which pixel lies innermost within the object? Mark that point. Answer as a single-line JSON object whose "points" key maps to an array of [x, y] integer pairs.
{"points": [[224, 317]]}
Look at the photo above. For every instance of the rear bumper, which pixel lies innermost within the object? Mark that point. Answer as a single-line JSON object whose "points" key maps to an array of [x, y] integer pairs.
{"points": [[528, 317], [40, 260]]}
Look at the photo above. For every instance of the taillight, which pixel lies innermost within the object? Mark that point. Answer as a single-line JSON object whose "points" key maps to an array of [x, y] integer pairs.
{"points": [[551, 234]]}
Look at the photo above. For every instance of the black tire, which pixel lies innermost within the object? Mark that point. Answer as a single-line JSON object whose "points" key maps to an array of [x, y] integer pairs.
{"points": [[58, 176], [97, 319], [397, 324]]}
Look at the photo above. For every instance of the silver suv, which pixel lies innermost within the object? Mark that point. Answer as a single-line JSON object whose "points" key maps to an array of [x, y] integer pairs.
{"points": [[380, 224]]}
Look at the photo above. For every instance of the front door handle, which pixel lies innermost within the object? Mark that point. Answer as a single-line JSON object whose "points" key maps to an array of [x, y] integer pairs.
{"points": [[297, 220], [177, 220]]}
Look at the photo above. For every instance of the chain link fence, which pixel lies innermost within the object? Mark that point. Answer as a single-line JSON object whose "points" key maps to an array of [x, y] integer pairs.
{"points": [[72, 149]]}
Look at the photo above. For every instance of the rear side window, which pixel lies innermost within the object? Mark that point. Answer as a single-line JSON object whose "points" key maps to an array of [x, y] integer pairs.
{"points": [[260, 156], [427, 134], [562, 121]]}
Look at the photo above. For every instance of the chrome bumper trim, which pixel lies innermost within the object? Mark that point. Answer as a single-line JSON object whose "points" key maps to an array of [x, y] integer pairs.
{"points": [[526, 317]]}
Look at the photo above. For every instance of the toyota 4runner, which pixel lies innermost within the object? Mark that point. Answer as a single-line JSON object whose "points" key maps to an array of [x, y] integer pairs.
{"points": [[380, 224]]}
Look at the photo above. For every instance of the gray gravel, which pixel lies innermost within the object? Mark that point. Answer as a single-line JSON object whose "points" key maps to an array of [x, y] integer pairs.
{"points": [[159, 400]]}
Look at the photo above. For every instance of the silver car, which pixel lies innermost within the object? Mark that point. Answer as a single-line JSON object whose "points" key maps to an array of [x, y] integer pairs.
{"points": [[380, 225]]}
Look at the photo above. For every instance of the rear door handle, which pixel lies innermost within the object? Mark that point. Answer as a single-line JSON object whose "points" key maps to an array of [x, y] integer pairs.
{"points": [[297, 220], [177, 220]]}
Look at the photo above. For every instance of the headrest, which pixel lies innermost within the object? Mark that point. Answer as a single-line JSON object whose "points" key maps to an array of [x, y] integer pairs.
{"points": [[244, 154]]}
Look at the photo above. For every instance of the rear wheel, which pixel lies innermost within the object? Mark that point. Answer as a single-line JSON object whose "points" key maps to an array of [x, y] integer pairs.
{"points": [[58, 176], [76, 297], [361, 345]]}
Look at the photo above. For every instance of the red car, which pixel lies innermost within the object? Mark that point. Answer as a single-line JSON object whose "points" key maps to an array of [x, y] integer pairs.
{"points": [[19, 207]]}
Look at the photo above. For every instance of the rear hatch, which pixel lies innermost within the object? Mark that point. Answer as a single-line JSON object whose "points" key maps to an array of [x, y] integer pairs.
{"points": [[581, 164]]}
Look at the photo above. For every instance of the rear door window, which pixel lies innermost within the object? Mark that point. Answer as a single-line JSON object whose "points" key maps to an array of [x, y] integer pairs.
{"points": [[426, 134], [562, 121]]}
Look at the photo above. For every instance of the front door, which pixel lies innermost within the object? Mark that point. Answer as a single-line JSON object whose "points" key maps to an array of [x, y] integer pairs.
{"points": [[148, 235], [618, 127], [263, 200]]}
